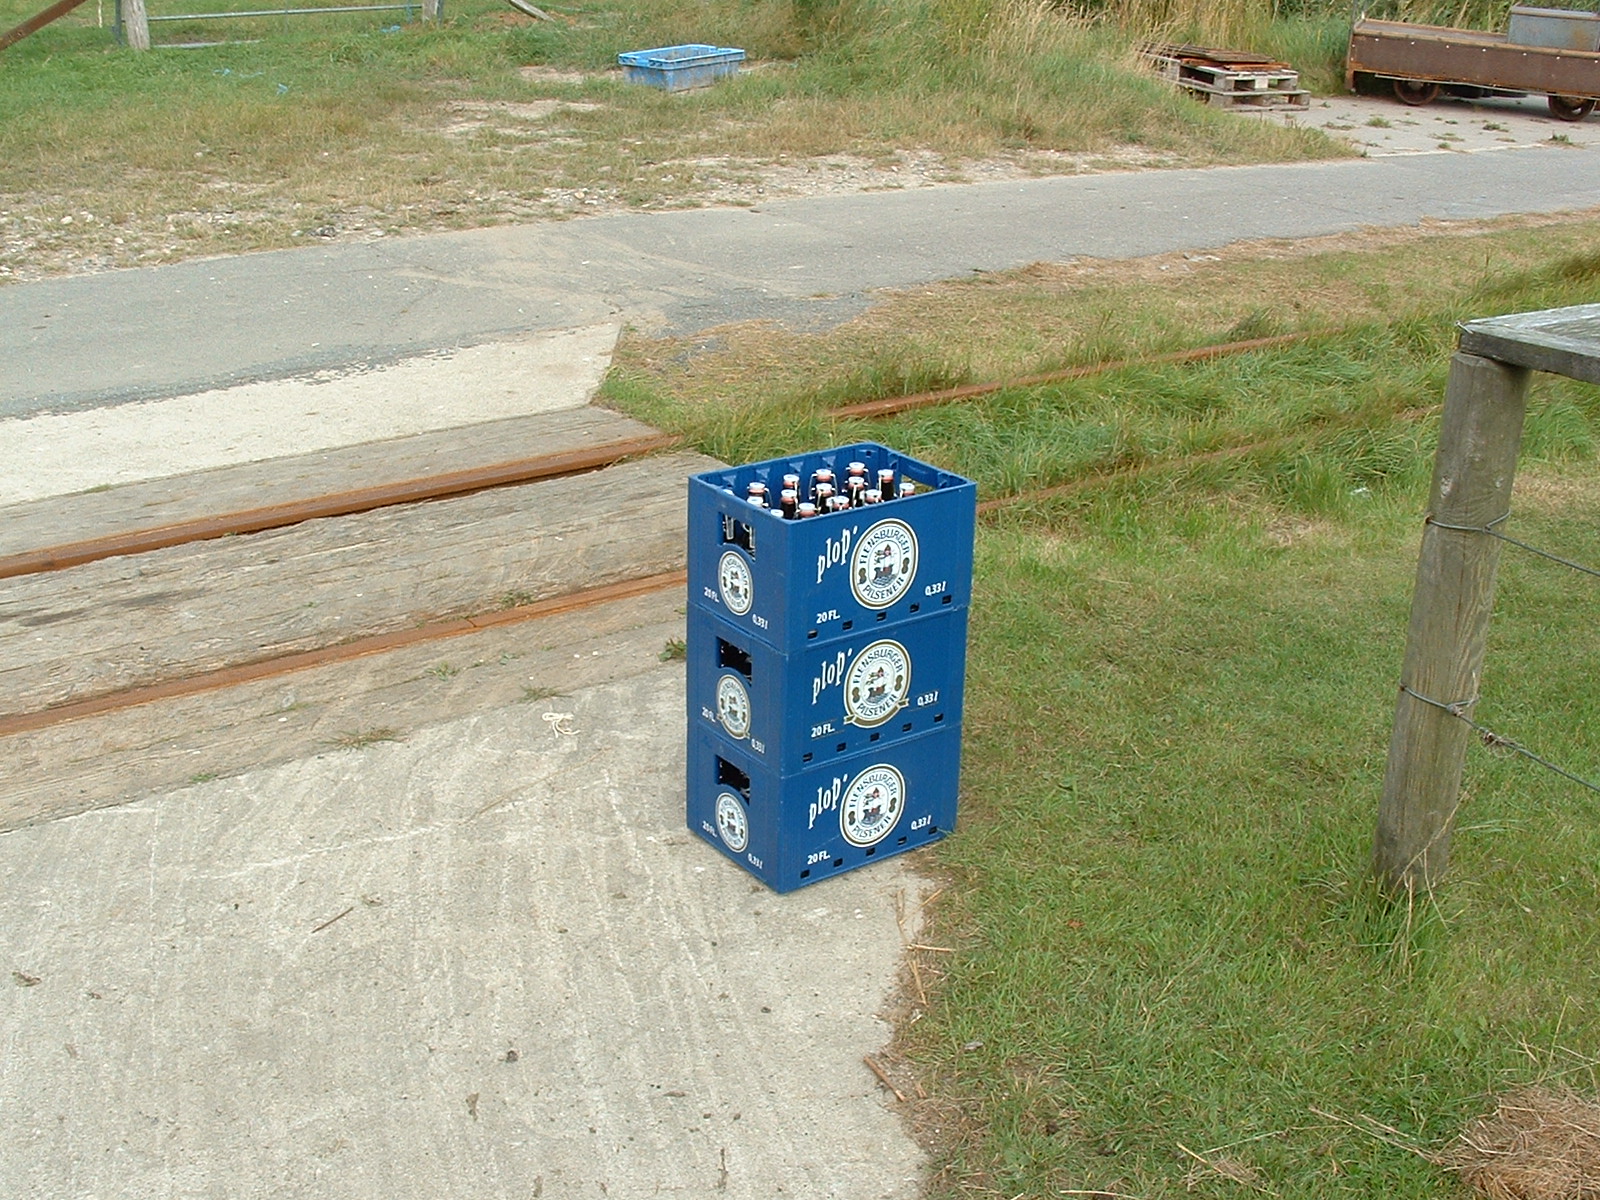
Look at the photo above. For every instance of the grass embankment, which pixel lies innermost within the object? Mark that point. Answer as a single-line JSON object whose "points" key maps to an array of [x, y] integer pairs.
{"points": [[1169, 975], [361, 126]]}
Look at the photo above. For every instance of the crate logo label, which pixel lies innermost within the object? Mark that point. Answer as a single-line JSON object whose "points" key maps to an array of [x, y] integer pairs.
{"points": [[733, 580], [732, 824], [879, 680], [733, 706], [884, 564], [827, 801], [871, 807], [829, 674], [834, 550]]}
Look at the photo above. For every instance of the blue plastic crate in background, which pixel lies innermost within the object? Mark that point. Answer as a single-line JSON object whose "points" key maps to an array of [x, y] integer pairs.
{"points": [[676, 68], [793, 583]]}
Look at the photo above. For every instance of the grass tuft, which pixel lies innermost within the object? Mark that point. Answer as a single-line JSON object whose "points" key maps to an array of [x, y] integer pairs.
{"points": [[359, 739]]}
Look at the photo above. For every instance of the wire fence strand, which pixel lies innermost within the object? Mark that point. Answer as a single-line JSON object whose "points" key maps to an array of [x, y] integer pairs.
{"points": [[1496, 741], [1460, 708], [1506, 537]]}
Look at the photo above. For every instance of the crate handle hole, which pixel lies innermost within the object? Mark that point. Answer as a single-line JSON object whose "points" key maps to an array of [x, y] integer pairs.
{"points": [[848, 625], [812, 636], [838, 862], [916, 607], [731, 656], [729, 775], [900, 842], [883, 616], [739, 533], [806, 874], [947, 599], [871, 850], [937, 717], [906, 728], [841, 747], [806, 757], [874, 737]]}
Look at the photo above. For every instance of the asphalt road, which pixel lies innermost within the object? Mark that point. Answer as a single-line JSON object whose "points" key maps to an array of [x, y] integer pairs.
{"points": [[90, 341]]}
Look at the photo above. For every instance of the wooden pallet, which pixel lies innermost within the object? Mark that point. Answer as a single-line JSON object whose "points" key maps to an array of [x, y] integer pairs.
{"points": [[1229, 78]]}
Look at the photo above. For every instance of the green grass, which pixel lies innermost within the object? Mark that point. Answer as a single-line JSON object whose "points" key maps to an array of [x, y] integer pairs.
{"points": [[1178, 711], [1172, 976], [1349, 401]]}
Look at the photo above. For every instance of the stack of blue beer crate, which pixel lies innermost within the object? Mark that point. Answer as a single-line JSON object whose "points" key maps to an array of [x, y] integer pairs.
{"points": [[826, 664]]}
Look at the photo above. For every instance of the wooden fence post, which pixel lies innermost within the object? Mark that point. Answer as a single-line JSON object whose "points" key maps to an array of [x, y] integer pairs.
{"points": [[1479, 436], [136, 24]]}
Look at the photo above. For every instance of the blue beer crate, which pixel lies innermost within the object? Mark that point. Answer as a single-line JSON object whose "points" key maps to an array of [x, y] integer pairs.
{"points": [[791, 583], [677, 68], [793, 830], [877, 687]]}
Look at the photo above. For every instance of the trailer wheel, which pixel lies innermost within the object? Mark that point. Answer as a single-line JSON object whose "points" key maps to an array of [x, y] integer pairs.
{"points": [[1570, 108], [1415, 91]]}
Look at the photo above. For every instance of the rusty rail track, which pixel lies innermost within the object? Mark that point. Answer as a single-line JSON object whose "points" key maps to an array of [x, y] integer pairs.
{"points": [[268, 668], [334, 504], [893, 405], [465, 482]]}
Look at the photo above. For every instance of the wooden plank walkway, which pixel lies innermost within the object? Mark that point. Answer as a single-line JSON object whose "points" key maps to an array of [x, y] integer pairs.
{"points": [[137, 517], [326, 604], [75, 766], [131, 622]]}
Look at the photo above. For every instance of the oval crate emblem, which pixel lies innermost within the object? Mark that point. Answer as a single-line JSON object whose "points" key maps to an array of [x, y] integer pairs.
{"points": [[733, 581], [884, 564], [877, 684], [872, 806]]}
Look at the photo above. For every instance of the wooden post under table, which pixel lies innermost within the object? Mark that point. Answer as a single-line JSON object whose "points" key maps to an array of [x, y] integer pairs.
{"points": [[1472, 474], [1485, 402]]}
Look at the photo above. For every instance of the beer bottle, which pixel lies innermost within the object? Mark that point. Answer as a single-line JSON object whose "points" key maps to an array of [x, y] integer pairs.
{"points": [[788, 501], [822, 476], [855, 487], [886, 482], [872, 496], [804, 509], [907, 488]]}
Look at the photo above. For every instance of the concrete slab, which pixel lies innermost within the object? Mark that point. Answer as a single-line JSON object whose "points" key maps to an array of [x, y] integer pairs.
{"points": [[488, 961], [53, 454]]}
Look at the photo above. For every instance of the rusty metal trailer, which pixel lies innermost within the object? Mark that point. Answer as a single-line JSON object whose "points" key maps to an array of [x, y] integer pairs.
{"points": [[1551, 51]]}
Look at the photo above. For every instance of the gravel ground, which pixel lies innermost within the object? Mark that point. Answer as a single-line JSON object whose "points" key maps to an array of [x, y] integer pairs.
{"points": [[1379, 126]]}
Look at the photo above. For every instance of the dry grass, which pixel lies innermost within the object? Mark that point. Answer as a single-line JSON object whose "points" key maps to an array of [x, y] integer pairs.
{"points": [[1537, 1145], [329, 131], [1050, 315]]}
